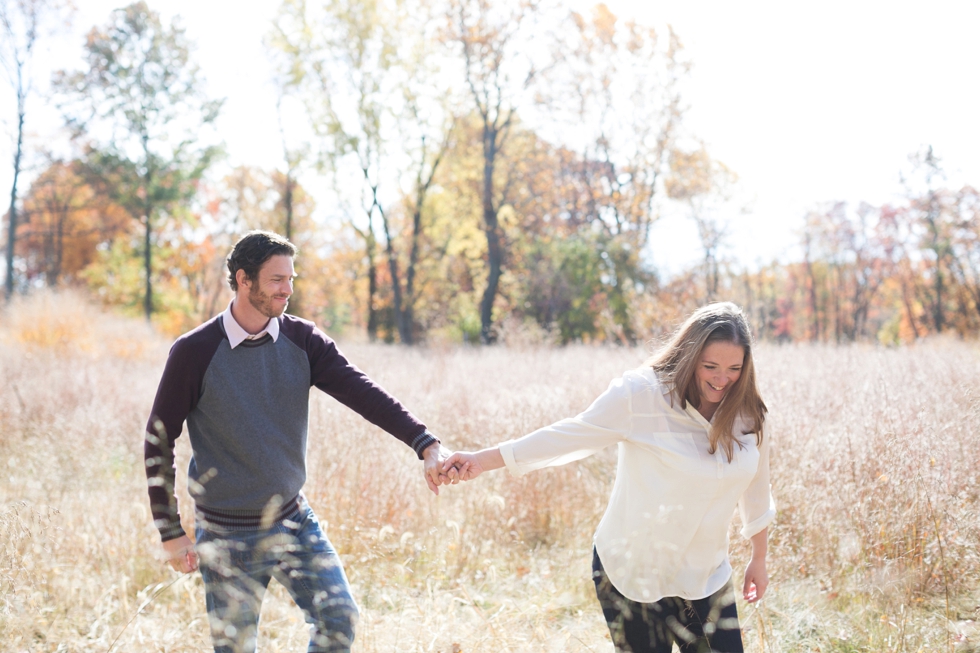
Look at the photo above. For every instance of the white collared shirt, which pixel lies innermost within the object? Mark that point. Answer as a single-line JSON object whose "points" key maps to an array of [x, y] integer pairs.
{"points": [[237, 335], [665, 530]]}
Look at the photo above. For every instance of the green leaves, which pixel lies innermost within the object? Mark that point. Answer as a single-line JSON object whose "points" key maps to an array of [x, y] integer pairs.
{"points": [[140, 109]]}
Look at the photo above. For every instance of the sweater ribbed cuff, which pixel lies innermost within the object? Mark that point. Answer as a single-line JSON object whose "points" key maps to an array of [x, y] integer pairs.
{"points": [[169, 530], [423, 441]]}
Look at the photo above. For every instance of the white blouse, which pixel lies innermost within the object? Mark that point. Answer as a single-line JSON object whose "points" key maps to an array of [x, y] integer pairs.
{"points": [[665, 530]]}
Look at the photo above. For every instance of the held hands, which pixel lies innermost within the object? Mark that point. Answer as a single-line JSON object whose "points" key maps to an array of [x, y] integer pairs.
{"points": [[467, 465], [443, 467], [470, 465], [433, 466]]}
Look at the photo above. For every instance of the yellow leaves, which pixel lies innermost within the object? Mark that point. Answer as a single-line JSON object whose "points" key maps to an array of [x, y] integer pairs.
{"points": [[507, 217], [605, 23], [52, 335], [695, 173], [52, 322]]}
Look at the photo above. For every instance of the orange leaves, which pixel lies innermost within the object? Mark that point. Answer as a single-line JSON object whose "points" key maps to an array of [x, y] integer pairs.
{"points": [[65, 221]]}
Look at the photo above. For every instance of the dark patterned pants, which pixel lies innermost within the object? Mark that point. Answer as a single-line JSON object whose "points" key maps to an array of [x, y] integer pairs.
{"points": [[708, 625]]}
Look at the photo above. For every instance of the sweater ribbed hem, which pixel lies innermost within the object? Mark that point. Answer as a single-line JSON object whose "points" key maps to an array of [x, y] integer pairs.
{"points": [[248, 520]]}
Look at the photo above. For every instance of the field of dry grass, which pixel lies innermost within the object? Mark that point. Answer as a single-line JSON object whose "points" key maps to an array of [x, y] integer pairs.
{"points": [[875, 474]]}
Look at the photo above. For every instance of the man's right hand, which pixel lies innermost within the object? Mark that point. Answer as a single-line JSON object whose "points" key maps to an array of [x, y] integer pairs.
{"points": [[181, 555], [432, 459]]}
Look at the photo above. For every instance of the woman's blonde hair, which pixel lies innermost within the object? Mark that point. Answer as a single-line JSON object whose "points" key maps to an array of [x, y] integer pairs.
{"points": [[676, 366]]}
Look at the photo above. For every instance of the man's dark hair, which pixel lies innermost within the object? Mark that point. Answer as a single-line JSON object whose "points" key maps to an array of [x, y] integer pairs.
{"points": [[254, 249]]}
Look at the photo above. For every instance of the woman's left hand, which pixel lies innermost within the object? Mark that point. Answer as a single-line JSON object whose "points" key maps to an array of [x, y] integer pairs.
{"points": [[756, 580]]}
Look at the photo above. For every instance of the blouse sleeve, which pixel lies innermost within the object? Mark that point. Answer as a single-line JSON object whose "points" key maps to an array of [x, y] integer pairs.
{"points": [[605, 422], [756, 506]]}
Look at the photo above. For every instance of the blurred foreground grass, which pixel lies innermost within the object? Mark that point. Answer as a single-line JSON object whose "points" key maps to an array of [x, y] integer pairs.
{"points": [[875, 474]]}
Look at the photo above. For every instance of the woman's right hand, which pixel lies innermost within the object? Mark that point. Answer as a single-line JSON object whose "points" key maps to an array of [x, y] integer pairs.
{"points": [[467, 465], [470, 465]]}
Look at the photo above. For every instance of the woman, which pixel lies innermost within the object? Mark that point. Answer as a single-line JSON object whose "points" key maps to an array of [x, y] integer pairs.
{"points": [[689, 429]]}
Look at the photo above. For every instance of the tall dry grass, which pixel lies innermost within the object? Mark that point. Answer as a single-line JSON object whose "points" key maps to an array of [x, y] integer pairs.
{"points": [[875, 463]]}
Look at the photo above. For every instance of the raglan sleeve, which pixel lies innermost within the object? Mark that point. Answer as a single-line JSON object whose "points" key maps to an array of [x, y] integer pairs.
{"points": [[606, 422], [176, 396], [335, 375], [756, 506]]}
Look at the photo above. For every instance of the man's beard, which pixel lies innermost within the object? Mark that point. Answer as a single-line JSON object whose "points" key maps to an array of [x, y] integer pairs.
{"points": [[263, 303]]}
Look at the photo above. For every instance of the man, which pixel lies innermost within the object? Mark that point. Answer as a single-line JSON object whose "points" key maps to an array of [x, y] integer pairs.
{"points": [[241, 381]]}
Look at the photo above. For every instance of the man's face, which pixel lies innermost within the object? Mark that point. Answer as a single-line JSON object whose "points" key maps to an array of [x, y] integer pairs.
{"points": [[269, 293]]}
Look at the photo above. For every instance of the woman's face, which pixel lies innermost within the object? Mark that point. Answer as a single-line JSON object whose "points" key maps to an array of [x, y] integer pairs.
{"points": [[719, 368]]}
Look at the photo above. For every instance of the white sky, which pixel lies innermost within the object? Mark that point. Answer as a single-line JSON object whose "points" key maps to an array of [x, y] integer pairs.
{"points": [[806, 102]]}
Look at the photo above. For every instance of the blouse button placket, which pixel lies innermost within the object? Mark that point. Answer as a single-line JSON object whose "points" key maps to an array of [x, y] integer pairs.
{"points": [[720, 465]]}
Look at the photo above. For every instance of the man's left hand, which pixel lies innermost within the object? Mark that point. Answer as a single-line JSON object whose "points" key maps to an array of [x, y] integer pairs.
{"points": [[432, 460]]}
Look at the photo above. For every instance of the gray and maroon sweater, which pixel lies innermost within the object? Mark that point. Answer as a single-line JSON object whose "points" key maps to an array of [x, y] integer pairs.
{"points": [[247, 412]]}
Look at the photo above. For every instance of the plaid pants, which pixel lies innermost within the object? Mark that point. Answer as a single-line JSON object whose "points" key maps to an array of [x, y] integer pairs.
{"points": [[708, 625]]}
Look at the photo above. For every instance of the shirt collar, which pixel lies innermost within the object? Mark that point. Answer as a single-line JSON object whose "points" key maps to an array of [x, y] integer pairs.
{"points": [[697, 416], [237, 335], [691, 411]]}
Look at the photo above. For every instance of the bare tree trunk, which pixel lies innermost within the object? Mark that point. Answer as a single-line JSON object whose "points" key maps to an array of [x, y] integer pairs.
{"points": [[838, 309], [483, 52], [404, 331], [148, 267], [938, 314], [12, 213], [19, 55], [287, 201], [619, 303], [370, 247], [933, 216], [297, 300], [59, 247], [711, 276], [408, 312], [404, 304], [969, 282], [811, 291], [491, 228], [494, 260], [413, 253], [907, 303], [939, 285], [291, 165], [148, 234]]}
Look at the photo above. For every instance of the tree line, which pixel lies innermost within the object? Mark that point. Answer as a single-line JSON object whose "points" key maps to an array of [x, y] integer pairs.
{"points": [[494, 171]]}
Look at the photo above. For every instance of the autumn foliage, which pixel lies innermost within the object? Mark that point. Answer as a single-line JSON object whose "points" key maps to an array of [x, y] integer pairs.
{"points": [[471, 188]]}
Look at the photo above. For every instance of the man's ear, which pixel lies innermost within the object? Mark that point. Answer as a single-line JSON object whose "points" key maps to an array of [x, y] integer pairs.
{"points": [[242, 279]]}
